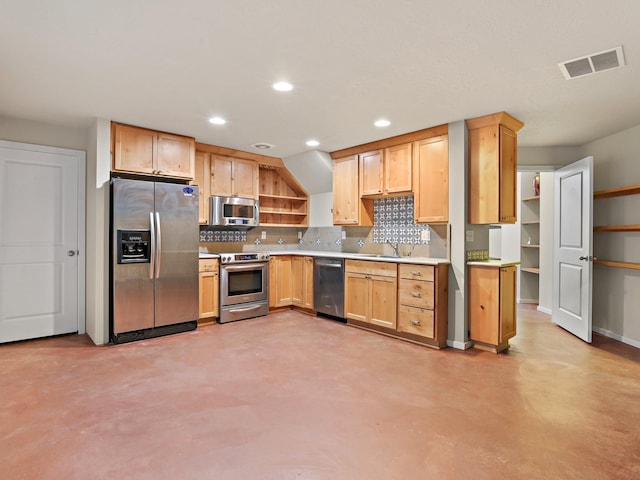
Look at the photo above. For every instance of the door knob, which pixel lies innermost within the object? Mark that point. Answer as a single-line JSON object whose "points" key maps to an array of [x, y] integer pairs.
{"points": [[71, 253], [584, 257]]}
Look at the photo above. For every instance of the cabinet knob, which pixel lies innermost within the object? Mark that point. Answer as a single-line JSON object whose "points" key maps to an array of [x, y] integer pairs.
{"points": [[481, 307], [417, 274], [416, 323], [415, 294]]}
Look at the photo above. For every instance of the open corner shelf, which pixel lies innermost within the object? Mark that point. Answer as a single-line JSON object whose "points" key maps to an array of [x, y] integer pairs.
{"points": [[609, 263], [535, 271], [617, 228], [528, 199], [283, 201], [617, 192]]}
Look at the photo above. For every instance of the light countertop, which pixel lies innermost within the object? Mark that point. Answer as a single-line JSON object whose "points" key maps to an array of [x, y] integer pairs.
{"points": [[494, 263]]}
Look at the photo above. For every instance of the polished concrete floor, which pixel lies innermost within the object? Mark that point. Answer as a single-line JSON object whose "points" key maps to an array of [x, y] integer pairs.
{"points": [[290, 396]]}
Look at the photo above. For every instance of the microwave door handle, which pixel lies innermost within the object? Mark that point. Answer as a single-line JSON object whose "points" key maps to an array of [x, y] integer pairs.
{"points": [[152, 253], [159, 249]]}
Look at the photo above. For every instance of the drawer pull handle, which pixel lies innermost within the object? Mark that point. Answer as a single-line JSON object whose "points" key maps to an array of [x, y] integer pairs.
{"points": [[416, 294], [417, 274], [416, 323]]}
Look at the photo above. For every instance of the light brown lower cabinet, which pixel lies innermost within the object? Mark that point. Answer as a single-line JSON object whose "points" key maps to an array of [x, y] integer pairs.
{"points": [[280, 294], [407, 301], [209, 282], [492, 306], [302, 282]]}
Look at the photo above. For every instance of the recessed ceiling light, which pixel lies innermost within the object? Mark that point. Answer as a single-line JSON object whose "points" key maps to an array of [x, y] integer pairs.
{"points": [[262, 146], [217, 120], [312, 143], [382, 123], [283, 86]]}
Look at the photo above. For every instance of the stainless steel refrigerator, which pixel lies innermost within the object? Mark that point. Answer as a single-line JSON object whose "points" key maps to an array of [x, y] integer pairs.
{"points": [[154, 259]]}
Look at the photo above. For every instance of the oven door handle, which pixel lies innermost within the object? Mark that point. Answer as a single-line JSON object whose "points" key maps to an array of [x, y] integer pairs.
{"points": [[244, 268], [247, 309]]}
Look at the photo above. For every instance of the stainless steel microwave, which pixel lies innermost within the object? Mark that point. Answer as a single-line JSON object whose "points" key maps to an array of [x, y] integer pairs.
{"points": [[233, 212]]}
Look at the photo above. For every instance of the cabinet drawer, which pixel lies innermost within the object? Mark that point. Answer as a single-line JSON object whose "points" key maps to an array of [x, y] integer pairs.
{"points": [[416, 293], [416, 272], [384, 269], [208, 264], [415, 320]]}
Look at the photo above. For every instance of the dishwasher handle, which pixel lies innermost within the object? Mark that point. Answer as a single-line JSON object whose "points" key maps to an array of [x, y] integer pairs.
{"points": [[330, 265]]}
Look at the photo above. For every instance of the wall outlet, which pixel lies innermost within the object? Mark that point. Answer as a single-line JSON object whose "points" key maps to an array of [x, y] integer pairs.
{"points": [[263, 235], [299, 235], [425, 235], [469, 235], [344, 235]]}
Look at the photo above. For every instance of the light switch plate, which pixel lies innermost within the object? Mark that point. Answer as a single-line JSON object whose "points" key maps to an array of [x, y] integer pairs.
{"points": [[469, 235], [426, 235], [263, 235], [344, 235]]}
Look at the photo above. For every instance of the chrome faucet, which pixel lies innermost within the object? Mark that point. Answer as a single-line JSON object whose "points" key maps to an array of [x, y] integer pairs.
{"points": [[394, 246]]}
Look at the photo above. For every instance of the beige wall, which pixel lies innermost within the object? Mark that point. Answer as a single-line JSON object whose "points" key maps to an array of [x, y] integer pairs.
{"points": [[615, 299], [26, 131]]}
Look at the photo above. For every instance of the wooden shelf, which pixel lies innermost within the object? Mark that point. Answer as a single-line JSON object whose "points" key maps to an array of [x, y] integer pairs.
{"points": [[530, 246], [531, 270], [282, 212], [609, 263], [533, 222], [617, 228], [617, 192], [283, 197], [528, 199]]}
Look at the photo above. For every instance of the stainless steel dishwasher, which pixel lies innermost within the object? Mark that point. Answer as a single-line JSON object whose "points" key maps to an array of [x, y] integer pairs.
{"points": [[328, 286]]}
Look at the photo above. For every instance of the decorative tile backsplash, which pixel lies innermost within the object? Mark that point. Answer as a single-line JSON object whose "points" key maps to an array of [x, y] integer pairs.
{"points": [[211, 235], [393, 221]]}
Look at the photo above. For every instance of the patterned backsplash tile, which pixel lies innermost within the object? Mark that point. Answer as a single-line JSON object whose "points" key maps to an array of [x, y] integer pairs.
{"points": [[393, 221], [213, 235]]}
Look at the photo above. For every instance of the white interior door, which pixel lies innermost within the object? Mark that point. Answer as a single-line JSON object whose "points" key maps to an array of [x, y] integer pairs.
{"points": [[572, 248], [41, 241]]}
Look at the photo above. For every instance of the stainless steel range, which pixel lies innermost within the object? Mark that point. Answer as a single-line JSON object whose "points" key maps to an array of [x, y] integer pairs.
{"points": [[244, 285]]}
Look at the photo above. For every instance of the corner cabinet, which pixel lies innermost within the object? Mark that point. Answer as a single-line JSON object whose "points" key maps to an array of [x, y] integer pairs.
{"points": [[431, 180], [141, 151], [280, 293], [302, 282], [493, 153], [348, 207], [492, 306], [209, 290]]}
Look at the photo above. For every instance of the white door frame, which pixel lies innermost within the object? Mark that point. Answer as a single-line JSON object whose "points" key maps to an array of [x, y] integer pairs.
{"points": [[81, 157]]}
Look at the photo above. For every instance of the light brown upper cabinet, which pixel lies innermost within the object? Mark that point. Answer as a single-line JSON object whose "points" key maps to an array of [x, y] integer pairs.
{"points": [[234, 177], [431, 180], [147, 152], [202, 174], [348, 207], [493, 158], [386, 172]]}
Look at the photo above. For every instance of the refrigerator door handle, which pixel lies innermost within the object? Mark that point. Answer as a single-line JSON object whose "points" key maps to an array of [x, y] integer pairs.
{"points": [[159, 245], [152, 263]]}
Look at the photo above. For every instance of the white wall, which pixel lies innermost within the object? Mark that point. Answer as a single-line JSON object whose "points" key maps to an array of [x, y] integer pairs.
{"points": [[547, 206], [320, 206], [616, 302], [546, 158], [26, 131]]}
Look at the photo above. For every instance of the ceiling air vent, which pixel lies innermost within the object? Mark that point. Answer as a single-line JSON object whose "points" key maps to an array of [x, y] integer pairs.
{"points": [[593, 63], [262, 146]]}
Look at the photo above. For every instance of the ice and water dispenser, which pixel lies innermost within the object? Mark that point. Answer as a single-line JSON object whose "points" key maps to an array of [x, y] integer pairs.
{"points": [[134, 246]]}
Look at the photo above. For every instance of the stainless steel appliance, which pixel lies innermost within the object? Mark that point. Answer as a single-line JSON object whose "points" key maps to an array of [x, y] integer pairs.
{"points": [[233, 212], [244, 286], [154, 259], [328, 286]]}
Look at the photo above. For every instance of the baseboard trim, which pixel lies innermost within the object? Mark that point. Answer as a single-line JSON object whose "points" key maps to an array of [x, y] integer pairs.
{"points": [[527, 300], [615, 336], [460, 345], [544, 310]]}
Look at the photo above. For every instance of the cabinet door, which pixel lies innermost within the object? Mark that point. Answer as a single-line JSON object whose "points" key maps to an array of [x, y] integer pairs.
{"points": [[356, 296], [134, 149], [284, 297], [297, 281], [175, 155], [345, 191], [245, 178], [431, 180], [308, 283], [508, 174], [370, 172], [383, 298], [201, 175], [221, 176], [507, 303], [398, 169], [209, 294], [484, 304]]}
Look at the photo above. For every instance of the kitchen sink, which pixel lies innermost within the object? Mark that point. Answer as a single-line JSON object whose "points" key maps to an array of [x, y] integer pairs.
{"points": [[376, 255]]}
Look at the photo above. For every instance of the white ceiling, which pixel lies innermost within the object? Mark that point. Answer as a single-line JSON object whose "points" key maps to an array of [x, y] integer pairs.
{"points": [[170, 65]]}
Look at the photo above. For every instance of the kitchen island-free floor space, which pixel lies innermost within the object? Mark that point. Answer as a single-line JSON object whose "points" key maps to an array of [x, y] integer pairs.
{"points": [[292, 396]]}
